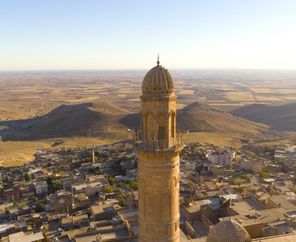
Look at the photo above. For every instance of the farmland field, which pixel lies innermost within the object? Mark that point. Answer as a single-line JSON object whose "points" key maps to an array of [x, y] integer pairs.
{"points": [[25, 96]]}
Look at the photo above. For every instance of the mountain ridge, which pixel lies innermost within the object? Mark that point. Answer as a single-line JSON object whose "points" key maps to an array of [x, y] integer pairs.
{"points": [[279, 118], [105, 119]]}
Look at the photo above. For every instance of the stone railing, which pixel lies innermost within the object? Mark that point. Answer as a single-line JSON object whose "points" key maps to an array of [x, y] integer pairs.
{"points": [[155, 144]]}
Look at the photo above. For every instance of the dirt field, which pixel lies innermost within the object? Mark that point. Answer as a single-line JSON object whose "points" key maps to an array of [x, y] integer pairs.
{"points": [[13, 153], [28, 95]]}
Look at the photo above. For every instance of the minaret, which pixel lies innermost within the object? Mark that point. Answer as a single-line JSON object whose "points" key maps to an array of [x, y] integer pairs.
{"points": [[93, 156], [158, 166]]}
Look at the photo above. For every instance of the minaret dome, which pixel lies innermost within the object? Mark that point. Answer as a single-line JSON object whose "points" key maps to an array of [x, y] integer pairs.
{"points": [[228, 231], [157, 81]]}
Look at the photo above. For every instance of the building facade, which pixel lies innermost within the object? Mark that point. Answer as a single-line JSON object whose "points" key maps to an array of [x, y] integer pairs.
{"points": [[158, 149]]}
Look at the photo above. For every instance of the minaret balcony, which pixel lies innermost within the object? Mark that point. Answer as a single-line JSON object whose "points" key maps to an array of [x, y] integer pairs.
{"points": [[156, 145]]}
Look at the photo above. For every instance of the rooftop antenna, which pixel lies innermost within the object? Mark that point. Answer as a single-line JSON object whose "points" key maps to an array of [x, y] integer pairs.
{"points": [[157, 59]]}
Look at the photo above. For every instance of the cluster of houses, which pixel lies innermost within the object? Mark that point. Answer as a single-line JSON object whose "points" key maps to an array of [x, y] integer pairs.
{"points": [[81, 194], [220, 184], [286, 153], [90, 194]]}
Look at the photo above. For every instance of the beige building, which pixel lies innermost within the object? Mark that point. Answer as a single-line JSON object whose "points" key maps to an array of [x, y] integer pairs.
{"points": [[158, 149], [29, 237], [255, 166]]}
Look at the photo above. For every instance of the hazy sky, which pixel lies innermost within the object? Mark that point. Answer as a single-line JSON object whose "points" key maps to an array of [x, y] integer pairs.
{"points": [[107, 34]]}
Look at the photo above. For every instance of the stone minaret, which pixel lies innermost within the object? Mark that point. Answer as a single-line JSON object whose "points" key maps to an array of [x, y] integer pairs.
{"points": [[158, 166]]}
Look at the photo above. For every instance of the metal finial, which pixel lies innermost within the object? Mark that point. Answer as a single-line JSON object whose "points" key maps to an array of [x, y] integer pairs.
{"points": [[157, 59]]}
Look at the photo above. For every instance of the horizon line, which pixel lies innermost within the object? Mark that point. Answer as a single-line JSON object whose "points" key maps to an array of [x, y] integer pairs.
{"points": [[144, 69]]}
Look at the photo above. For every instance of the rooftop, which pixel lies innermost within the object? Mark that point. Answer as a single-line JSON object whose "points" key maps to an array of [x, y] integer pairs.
{"points": [[259, 217], [278, 238], [22, 237]]}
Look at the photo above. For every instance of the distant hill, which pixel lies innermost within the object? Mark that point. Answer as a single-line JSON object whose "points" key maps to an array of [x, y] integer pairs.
{"points": [[196, 117], [280, 118], [68, 120], [104, 119]]}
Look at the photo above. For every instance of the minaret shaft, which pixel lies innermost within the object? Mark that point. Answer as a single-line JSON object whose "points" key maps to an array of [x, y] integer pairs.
{"points": [[159, 196]]}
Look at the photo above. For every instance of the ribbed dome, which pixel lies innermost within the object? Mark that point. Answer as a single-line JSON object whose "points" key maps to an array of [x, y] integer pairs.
{"points": [[228, 231], [157, 81]]}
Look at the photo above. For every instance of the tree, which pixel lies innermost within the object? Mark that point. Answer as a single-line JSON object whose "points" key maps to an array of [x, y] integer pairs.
{"points": [[53, 185], [27, 177], [133, 185], [111, 180], [109, 189], [122, 200], [265, 174], [39, 208]]}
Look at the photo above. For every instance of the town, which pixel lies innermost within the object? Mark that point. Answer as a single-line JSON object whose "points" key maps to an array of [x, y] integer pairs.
{"points": [[90, 194]]}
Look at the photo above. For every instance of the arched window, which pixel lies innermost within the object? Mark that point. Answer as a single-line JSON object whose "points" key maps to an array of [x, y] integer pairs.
{"points": [[149, 126], [142, 121], [161, 124], [173, 124]]}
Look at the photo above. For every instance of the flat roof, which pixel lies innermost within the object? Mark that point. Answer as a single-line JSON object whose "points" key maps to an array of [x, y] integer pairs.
{"points": [[67, 220], [278, 238], [195, 205], [127, 214], [100, 208], [282, 201], [88, 238], [22, 237], [116, 234], [262, 216]]}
